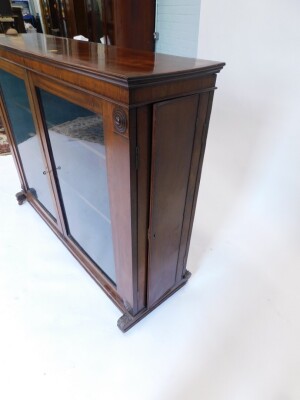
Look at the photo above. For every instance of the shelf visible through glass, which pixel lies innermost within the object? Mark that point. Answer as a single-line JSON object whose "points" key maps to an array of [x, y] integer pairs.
{"points": [[77, 142]]}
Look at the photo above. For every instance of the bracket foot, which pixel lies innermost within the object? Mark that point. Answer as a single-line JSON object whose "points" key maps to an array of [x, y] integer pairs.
{"points": [[187, 275], [21, 197], [127, 321]]}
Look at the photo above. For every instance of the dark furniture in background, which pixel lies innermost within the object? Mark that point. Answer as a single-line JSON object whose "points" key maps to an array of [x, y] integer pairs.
{"points": [[6, 16], [124, 23], [58, 17], [11, 15], [109, 144], [18, 19], [5, 8]]}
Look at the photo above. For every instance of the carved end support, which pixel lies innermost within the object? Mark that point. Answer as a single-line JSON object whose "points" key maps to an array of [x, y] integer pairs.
{"points": [[21, 197], [125, 322], [187, 275]]}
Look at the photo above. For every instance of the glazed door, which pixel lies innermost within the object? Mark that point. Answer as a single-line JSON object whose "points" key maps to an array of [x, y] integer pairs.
{"points": [[76, 157], [22, 127], [74, 130]]}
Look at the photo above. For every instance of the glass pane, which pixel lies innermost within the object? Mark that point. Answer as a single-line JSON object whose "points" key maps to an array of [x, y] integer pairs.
{"points": [[77, 141], [18, 108]]}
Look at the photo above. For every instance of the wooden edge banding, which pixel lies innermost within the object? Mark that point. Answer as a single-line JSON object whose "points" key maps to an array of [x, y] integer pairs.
{"points": [[192, 181], [144, 128], [118, 159], [205, 105], [170, 169], [133, 183], [12, 68], [72, 94]]}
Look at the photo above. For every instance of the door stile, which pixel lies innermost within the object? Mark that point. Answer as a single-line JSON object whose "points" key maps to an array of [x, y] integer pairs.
{"points": [[204, 111], [38, 121], [120, 159], [13, 146], [134, 166], [143, 142], [19, 73]]}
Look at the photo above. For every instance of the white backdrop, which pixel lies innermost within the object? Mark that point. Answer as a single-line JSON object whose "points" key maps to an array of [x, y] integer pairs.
{"points": [[252, 167], [256, 120]]}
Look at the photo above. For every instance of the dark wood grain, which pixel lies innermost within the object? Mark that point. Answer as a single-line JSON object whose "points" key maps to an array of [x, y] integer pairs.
{"points": [[156, 111], [204, 110], [144, 137], [173, 136], [14, 69], [118, 166], [121, 65], [125, 76], [70, 93], [200, 131]]}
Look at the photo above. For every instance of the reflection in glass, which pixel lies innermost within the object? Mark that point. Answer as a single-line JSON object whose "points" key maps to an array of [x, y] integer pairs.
{"points": [[23, 130], [77, 142]]}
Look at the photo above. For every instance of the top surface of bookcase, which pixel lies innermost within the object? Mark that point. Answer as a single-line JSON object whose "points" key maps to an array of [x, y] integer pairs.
{"points": [[119, 64]]}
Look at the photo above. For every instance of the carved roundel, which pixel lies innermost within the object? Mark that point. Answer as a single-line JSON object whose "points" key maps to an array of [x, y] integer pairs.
{"points": [[120, 120]]}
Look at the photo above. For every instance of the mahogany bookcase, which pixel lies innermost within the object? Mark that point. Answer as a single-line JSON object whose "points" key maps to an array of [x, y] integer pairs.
{"points": [[109, 145]]}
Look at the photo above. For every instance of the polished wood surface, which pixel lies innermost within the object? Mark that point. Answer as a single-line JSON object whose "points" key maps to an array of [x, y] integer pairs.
{"points": [[171, 157], [155, 111], [143, 144], [119, 64]]}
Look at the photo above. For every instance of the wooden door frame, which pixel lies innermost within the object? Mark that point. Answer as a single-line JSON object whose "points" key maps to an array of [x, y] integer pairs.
{"points": [[120, 159], [24, 76], [130, 292]]}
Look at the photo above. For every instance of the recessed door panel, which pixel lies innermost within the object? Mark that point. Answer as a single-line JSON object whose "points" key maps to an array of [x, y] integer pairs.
{"points": [[174, 125]]}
